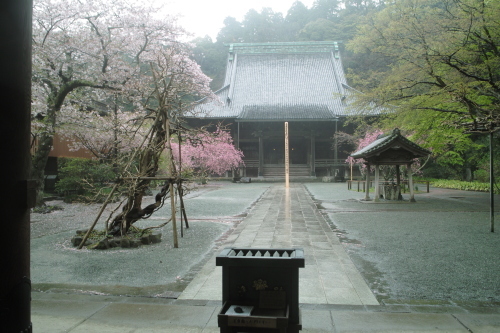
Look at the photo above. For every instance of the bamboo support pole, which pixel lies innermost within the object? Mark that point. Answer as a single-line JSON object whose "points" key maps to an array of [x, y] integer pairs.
{"points": [[171, 185], [287, 158]]}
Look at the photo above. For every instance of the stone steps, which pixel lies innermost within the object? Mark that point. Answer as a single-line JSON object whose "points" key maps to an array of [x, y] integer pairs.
{"points": [[300, 170]]}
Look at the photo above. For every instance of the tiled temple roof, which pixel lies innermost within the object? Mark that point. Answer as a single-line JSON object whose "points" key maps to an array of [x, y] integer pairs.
{"points": [[281, 81]]}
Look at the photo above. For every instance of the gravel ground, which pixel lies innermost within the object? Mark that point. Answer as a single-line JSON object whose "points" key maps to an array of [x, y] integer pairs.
{"points": [[154, 270], [439, 248]]}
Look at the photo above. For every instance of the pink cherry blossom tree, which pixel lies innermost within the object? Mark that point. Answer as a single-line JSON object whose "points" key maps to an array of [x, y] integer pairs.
{"points": [[369, 137], [207, 153]]}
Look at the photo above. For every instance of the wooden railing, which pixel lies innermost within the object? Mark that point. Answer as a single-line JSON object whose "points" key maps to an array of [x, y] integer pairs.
{"points": [[326, 162], [322, 162], [251, 163]]}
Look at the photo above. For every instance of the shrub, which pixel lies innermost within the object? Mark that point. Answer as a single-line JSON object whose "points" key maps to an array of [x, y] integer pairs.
{"points": [[463, 185], [84, 179], [482, 175]]}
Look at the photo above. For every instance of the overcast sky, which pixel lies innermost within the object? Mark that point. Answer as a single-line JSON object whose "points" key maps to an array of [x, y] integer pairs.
{"points": [[206, 17]]}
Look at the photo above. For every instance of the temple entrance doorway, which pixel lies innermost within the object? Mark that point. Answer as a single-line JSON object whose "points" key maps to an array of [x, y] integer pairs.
{"points": [[274, 151]]}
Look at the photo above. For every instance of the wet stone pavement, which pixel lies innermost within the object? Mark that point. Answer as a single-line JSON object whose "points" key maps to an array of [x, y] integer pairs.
{"points": [[288, 218]]}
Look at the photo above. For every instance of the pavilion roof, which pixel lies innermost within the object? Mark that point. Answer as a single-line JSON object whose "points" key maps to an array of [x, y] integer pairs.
{"points": [[392, 141], [281, 81]]}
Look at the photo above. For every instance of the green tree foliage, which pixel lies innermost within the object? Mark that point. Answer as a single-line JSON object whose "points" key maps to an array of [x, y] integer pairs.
{"points": [[440, 73], [212, 59], [325, 20], [326, 9], [445, 56], [319, 30], [84, 179], [296, 19], [232, 32], [266, 26]]}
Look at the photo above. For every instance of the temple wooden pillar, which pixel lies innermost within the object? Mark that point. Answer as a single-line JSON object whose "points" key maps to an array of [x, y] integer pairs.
{"points": [[398, 182], [313, 154], [377, 183], [410, 183], [367, 187], [17, 194]]}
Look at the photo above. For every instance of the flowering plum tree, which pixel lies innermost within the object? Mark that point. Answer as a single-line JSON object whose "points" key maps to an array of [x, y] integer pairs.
{"points": [[208, 153]]}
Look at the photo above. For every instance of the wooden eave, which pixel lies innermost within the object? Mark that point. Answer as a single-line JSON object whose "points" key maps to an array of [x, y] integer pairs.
{"points": [[393, 149]]}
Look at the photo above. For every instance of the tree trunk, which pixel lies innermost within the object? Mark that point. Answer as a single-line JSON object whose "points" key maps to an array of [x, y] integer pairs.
{"points": [[148, 167], [41, 155], [55, 101], [468, 174]]}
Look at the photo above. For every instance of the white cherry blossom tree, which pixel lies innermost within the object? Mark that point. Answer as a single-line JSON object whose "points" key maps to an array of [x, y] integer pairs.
{"points": [[107, 50]]}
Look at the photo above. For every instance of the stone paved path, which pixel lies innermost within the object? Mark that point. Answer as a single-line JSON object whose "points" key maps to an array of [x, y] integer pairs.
{"points": [[285, 218]]}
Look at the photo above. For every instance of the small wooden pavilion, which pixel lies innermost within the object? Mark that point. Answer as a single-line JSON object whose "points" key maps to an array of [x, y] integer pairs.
{"points": [[390, 149]]}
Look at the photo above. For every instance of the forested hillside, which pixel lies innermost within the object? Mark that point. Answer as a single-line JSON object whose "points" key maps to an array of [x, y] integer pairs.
{"points": [[326, 20]]}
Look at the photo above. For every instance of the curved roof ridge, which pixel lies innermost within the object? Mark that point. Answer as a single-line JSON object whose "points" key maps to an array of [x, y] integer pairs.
{"points": [[222, 89], [384, 141]]}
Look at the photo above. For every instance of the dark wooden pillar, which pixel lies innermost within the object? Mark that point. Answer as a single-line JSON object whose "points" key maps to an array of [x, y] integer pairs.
{"points": [[15, 94], [410, 182], [312, 154], [367, 188], [398, 182], [377, 183]]}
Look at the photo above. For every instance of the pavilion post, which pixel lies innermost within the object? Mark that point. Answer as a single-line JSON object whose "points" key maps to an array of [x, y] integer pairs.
{"points": [[398, 182], [377, 180], [410, 182], [367, 187]]}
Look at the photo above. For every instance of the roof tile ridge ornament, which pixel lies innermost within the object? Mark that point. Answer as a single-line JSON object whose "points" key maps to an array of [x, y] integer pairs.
{"points": [[231, 52], [391, 136], [284, 48]]}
